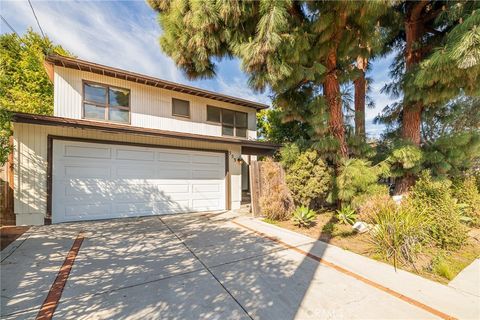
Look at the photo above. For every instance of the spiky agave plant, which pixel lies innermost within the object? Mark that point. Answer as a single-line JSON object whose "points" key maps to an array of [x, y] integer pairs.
{"points": [[346, 215], [303, 216]]}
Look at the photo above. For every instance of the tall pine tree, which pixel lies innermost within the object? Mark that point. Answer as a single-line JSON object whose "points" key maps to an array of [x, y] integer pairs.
{"points": [[302, 50], [438, 60]]}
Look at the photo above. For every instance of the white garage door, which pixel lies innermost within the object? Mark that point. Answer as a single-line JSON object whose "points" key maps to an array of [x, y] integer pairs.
{"points": [[100, 181]]}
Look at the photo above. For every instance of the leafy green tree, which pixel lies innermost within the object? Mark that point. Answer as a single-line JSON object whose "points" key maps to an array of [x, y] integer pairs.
{"points": [[272, 126], [5, 133], [24, 84], [301, 49]]}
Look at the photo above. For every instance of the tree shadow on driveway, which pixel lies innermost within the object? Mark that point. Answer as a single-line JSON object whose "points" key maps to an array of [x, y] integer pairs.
{"points": [[136, 268]]}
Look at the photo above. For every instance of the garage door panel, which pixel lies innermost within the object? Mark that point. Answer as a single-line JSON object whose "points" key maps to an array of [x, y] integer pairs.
{"points": [[206, 174], [76, 187], [139, 155], [174, 173], [174, 188], [87, 172], [129, 172], [180, 206], [86, 210], [87, 152], [205, 204], [173, 157], [205, 188], [144, 208], [96, 181], [206, 159]]}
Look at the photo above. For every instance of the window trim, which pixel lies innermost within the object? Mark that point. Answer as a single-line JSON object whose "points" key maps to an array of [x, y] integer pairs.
{"points": [[181, 115], [107, 105], [234, 126]]}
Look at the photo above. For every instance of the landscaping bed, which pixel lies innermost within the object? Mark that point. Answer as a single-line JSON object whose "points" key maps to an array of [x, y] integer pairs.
{"points": [[435, 264]]}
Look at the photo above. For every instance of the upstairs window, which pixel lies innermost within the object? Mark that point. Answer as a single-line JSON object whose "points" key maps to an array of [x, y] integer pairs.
{"points": [[234, 123], [106, 103], [180, 108]]}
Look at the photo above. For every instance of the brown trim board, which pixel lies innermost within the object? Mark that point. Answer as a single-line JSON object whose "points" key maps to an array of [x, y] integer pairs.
{"points": [[51, 138], [53, 297], [356, 276], [129, 129]]}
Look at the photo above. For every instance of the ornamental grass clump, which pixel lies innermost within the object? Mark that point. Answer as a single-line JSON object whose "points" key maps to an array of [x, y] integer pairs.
{"points": [[434, 197], [398, 233], [468, 197], [368, 208]]}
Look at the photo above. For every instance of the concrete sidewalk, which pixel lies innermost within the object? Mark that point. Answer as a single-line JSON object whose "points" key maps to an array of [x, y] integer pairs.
{"points": [[447, 299], [468, 280]]}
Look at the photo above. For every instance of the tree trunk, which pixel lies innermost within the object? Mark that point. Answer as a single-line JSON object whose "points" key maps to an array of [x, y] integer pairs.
{"points": [[412, 111], [414, 30], [331, 88], [360, 93], [411, 121]]}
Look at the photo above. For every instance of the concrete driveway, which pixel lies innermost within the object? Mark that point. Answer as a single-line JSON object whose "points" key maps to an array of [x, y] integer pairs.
{"points": [[185, 267]]}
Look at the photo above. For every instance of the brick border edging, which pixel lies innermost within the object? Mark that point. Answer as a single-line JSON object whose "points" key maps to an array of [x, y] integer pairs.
{"points": [[53, 298], [356, 276]]}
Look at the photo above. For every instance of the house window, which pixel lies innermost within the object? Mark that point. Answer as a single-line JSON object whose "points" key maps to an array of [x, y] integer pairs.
{"points": [[180, 108], [234, 123], [102, 102], [214, 114], [241, 124]]}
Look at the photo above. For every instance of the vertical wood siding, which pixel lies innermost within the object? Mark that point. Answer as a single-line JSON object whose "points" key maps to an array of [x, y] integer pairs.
{"points": [[30, 167], [150, 107]]}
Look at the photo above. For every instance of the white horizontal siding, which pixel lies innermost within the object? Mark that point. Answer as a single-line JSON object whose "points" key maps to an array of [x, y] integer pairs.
{"points": [[30, 164], [150, 107]]}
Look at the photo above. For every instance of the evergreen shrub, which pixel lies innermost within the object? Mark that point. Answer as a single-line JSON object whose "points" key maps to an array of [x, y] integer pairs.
{"points": [[309, 179]]}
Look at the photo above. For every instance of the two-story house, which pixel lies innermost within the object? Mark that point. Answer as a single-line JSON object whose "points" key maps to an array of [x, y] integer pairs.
{"points": [[122, 144]]}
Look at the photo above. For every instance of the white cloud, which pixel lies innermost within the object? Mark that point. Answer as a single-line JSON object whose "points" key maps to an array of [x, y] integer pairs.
{"points": [[104, 32]]}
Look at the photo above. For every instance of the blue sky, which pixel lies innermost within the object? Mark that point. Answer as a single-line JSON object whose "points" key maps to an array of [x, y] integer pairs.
{"points": [[124, 34]]}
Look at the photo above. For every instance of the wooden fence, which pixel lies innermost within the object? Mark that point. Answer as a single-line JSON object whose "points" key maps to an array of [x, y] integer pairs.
{"points": [[7, 216], [257, 188]]}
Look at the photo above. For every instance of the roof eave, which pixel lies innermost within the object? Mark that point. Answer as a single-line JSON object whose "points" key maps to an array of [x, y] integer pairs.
{"points": [[78, 64]]}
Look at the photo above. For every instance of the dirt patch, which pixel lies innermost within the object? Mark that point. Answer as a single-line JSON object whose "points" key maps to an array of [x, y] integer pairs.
{"points": [[327, 229], [8, 234], [435, 264]]}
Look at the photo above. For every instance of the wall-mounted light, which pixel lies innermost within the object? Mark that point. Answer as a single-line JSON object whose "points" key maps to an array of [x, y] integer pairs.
{"points": [[238, 159]]}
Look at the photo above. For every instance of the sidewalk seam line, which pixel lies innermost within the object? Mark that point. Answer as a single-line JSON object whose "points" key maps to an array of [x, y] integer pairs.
{"points": [[206, 267]]}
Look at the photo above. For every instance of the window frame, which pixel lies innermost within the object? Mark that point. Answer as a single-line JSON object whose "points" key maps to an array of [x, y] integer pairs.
{"points": [[107, 106], [234, 126], [181, 115]]}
